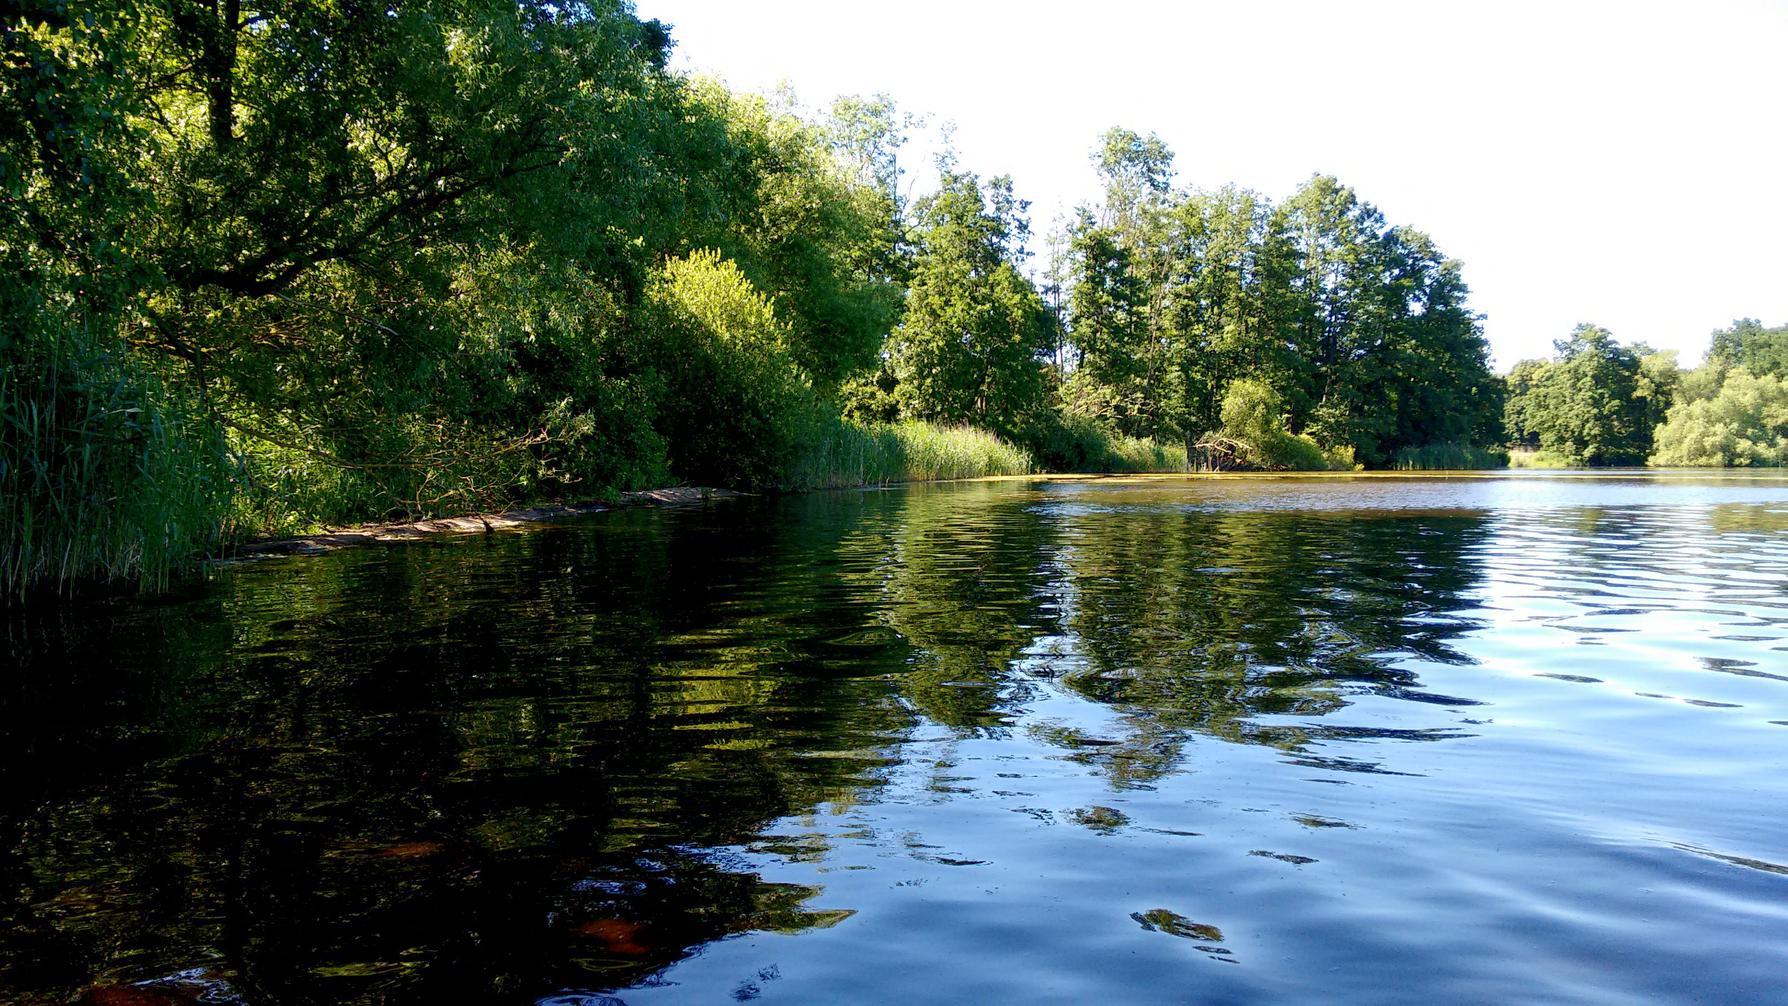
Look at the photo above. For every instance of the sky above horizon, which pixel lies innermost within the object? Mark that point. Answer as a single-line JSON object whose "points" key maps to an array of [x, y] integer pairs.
{"points": [[1614, 163]]}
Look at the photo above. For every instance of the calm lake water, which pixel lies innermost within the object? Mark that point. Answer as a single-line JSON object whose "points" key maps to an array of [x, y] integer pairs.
{"points": [[1376, 739]]}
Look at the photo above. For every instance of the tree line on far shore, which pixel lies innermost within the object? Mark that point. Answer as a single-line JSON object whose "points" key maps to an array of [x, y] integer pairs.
{"points": [[271, 267], [1597, 402]]}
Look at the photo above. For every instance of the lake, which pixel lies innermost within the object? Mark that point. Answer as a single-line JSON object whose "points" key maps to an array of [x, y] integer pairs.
{"points": [[1500, 738]]}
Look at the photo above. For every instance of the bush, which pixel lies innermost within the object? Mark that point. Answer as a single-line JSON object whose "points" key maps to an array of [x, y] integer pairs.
{"points": [[1253, 433], [1520, 458], [738, 404], [1744, 424], [1071, 443], [1140, 454]]}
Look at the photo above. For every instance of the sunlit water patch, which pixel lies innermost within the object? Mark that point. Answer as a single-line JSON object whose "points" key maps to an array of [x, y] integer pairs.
{"points": [[1421, 739]]}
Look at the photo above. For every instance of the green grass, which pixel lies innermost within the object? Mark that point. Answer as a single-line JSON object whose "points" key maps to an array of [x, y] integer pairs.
{"points": [[1540, 459], [1448, 457], [104, 474], [1079, 444], [841, 453], [931, 453], [1140, 454]]}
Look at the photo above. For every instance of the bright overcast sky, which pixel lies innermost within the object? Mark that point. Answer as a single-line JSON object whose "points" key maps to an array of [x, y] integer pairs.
{"points": [[1621, 163]]}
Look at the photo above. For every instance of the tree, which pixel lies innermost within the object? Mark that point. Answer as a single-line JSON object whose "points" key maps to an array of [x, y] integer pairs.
{"points": [[722, 345], [810, 216], [1658, 384], [1520, 401], [1762, 351], [1585, 406], [1138, 175], [1745, 424], [1214, 331], [1133, 247], [1108, 320], [970, 347]]}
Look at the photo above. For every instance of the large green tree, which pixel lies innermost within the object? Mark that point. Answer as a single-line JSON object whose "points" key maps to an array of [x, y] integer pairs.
{"points": [[1584, 406], [970, 347], [809, 212], [1361, 330], [1109, 319], [1749, 344], [327, 261]]}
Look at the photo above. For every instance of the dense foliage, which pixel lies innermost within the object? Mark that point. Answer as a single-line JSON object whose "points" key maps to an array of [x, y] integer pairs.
{"points": [[1583, 406], [1359, 330], [268, 266], [1733, 410], [1599, 402], [273, 266], [969, 348]]}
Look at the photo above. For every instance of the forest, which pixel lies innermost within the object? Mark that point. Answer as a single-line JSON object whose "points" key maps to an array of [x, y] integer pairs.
{"points": [[1598, 402], [272, 267]]}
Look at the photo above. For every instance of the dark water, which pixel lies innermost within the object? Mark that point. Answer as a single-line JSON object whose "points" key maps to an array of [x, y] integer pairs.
{"points": [[1359, 740]]}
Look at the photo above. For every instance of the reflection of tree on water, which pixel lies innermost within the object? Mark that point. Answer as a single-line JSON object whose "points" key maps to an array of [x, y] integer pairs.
{"points": [[1183, 619], [1205, 620], [492, 770], [463, 772], [963, 584], [1209, 620], [1212, 618]]}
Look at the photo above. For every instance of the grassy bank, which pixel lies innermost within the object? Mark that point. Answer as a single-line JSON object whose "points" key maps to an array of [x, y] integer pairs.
{"points": [[1540, 459], [1448, 457], [843, 454]]}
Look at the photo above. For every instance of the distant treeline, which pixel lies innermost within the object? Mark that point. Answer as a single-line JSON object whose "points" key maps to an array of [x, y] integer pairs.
{"points": [[265, 267], [1598, 402]]}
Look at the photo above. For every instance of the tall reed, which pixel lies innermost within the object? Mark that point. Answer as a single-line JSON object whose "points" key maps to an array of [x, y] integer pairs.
{"points": [[840, 453], [1448, 457], [104, 472]]}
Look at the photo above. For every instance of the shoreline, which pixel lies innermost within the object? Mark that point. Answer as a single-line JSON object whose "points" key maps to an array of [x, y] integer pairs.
{"points": [[359, 535], [324, 542]]}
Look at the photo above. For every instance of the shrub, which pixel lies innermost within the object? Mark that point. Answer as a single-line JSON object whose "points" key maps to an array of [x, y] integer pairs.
{"points": [[1745, 424], [1070, 443], [739, 404], [1253, 432], [1541, 459]]}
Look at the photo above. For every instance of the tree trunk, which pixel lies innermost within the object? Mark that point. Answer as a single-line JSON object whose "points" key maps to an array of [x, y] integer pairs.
{"points": [[219, 50]]}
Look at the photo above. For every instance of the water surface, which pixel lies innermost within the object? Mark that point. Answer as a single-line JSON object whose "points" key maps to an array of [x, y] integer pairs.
{"points": [[1375, 739]]}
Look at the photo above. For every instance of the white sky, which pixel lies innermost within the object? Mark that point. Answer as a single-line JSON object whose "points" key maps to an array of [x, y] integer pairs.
{"points": [[1623, 163]]}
